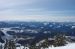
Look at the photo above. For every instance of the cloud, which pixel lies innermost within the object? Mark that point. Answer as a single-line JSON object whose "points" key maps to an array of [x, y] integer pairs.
{"points": [[14, 3], [40, 18], [41, 9]]}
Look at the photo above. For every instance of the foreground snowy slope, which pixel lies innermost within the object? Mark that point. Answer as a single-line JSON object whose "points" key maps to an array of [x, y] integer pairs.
{"points": [[69, 46]]}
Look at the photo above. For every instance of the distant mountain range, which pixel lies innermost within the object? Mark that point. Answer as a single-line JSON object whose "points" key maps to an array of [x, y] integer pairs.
{"points": [[33, 32]]}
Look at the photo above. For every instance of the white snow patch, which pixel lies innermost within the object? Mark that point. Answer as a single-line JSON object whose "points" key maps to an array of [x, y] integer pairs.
{"points": [[69, 46]]}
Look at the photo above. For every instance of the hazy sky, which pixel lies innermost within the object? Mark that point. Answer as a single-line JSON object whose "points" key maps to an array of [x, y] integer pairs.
{"points": [[37, 10]]}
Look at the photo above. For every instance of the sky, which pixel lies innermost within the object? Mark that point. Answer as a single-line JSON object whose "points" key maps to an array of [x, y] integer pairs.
{"points": [[37, 10]]}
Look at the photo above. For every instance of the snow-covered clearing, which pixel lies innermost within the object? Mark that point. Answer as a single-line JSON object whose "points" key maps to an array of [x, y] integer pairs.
{"points": [[69, 46]]}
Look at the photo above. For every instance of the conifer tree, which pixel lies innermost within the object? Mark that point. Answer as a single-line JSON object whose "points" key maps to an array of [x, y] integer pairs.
{"points": [[59, 40], [45, 44]]}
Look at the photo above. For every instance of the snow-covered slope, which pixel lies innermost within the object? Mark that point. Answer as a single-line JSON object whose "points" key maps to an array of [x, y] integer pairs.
{"points": [[7, 36], [69, 46]]}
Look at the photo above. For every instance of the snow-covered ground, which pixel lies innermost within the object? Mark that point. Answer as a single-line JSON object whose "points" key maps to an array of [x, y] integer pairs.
{"points": [[69, 46], [7, 36], [20, 47]]}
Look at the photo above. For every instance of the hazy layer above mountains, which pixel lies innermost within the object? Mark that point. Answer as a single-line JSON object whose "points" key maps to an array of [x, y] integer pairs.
{"points": [[39, 18]]}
